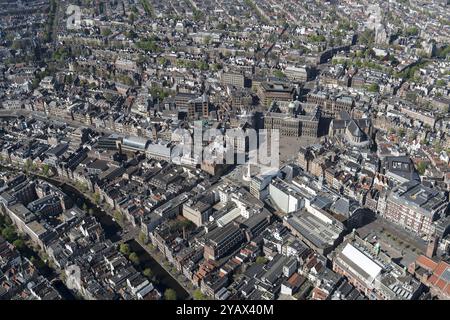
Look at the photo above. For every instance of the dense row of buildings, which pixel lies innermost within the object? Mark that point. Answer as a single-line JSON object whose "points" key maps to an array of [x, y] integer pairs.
{"points": [[356, 208]]}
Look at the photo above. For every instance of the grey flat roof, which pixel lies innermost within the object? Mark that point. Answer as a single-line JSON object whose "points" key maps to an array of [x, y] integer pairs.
{"points": [[219, 235], [421, 198]]}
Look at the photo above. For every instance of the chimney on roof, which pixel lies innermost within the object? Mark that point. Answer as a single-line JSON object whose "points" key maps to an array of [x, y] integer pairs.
{"points": [[412, 267], [432, 246]]}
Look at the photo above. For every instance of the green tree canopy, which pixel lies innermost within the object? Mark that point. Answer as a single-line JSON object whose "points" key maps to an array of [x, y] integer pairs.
{"points": [[134, 258], [142, 237], [148, 273], [45, 169], [106, 32], [38, 263], [148, 8], [118, 216], [170, 294], [421, 167], [412, 31], [441, 83], [316, 38], [373, 87], [367, 37], [279, 74], [124, 249], [261, 260], [19, 244], [96, 197], [148, 45], [198, 295], [9, 234]]}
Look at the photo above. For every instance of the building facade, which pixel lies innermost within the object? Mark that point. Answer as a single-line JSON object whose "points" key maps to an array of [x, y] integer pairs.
{"points": [[416, 207]]}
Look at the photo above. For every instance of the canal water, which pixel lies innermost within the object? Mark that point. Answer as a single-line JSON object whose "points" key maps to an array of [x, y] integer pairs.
{"points": [[112, 229], [43, 268], [63, 290], [164, 279], [49, 274]]}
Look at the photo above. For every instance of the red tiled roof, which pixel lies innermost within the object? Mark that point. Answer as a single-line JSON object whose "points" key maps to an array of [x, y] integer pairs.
{"points": [[441, 267], [426, 263], [436, 280], [433, 279], [441, 284]]}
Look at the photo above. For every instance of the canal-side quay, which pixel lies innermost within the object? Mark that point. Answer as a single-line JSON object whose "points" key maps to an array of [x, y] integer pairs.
{"points": [[129, 235], [120, 232]]}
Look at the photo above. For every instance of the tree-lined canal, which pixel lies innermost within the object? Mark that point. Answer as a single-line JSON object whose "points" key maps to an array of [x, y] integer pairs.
{"points": [[112, 230]]}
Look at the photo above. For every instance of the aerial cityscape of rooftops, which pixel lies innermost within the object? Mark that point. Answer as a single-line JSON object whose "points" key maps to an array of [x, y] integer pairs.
{"points": [[224, 150]]}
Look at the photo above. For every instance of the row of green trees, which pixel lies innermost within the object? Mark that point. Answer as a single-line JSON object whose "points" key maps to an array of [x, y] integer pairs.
{"points": [[132, 256], [169, 294], [201, 65], [148, 45], [8, 232], [255, 10], [148, 8], [50, 21]]}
